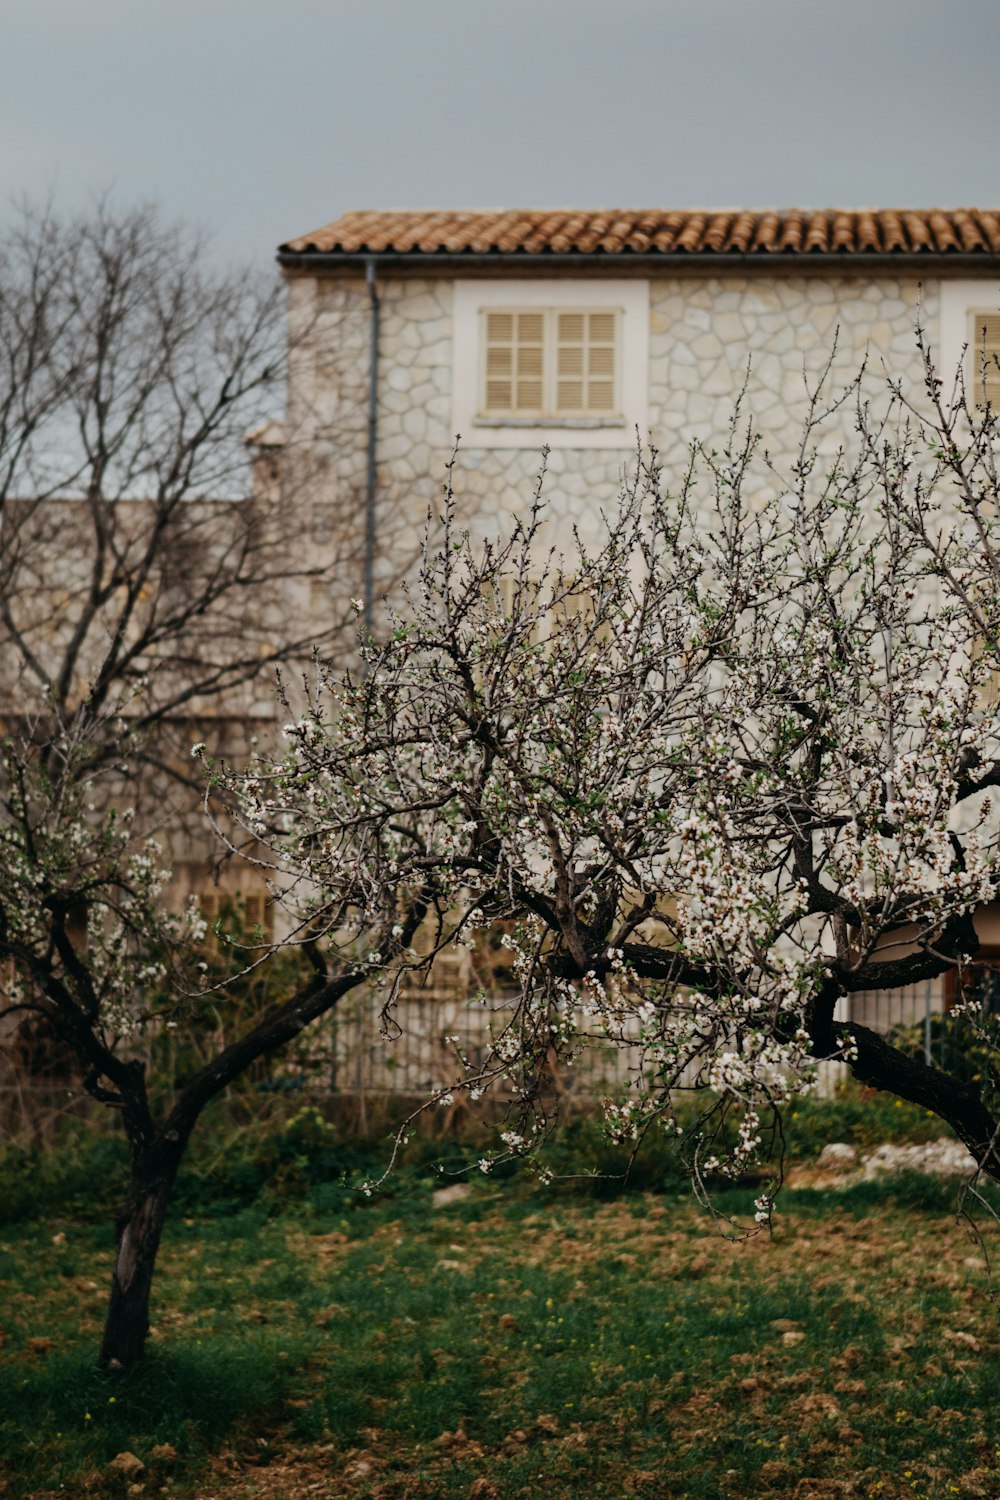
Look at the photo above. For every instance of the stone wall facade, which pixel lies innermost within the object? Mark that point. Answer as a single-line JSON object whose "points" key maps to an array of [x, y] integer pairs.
{"points": [[705, 333]]}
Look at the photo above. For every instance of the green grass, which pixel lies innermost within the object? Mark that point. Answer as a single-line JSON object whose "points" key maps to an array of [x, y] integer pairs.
{"points": [[545, 1342]]}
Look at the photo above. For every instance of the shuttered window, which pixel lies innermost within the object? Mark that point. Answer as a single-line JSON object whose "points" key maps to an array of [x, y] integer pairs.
{"points": [[515, 358], [585, 363], [245, 916], [550, 363], [442, 974], [984, 343]]}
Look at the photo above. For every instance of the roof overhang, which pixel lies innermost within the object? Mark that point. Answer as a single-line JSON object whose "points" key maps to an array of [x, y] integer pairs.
{"points": [[846, 263]]}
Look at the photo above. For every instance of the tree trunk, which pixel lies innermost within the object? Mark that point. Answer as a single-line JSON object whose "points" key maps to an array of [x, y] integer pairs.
{"points": [[139, 1227]]}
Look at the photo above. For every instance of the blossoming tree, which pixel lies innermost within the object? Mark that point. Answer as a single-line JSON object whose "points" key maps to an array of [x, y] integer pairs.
{"points": [[707, 770], [134, 972], [711, 772]]}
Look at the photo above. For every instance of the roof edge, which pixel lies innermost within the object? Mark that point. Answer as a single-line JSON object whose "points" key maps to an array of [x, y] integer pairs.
{"points": [[953, 260]]}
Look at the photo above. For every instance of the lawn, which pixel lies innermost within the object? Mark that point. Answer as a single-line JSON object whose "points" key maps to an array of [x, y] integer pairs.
{"points": [[523, 1342]]}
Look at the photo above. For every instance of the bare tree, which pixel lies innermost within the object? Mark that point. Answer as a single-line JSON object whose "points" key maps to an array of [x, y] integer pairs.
{"points": [[137, 565], [148, 593], [712, 776]]}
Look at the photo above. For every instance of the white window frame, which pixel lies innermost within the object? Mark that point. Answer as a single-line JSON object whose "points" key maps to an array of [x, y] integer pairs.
{"points": [[629, 299], [959, 300]]}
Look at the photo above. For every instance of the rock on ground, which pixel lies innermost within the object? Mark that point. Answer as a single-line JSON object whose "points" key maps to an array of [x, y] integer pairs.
{"points": [[941, 1158]]}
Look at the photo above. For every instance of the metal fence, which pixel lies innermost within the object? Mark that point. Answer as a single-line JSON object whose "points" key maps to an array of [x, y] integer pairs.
{"points": [[354, 1056], [908, 1013], [443, 1036]]}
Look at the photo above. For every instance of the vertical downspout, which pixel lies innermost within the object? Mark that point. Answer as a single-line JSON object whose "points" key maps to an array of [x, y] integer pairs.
{"points": [[369, 579]]}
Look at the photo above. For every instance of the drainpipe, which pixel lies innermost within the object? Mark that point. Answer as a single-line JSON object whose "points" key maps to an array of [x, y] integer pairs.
{"points": [[369, 579]]}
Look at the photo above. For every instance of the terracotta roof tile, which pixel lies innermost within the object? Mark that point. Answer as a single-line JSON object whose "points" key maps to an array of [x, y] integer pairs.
{"points": [[984, 223], [740, 232], [655, 232], [815, 235]]}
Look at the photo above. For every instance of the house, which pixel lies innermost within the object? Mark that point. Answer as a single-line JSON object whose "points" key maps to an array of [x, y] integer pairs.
{"points": [[576, 330]]}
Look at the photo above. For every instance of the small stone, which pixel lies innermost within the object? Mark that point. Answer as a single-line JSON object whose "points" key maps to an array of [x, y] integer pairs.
{"points": [[359, 1468], [793, 1336], [163, 1453], [707, 346], [838, 1156], [59, 1239], [454, 1193], [509, 1323]]}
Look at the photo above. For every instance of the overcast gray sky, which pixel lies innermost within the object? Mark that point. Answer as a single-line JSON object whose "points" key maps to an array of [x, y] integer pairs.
{"points": [[261, 121]]}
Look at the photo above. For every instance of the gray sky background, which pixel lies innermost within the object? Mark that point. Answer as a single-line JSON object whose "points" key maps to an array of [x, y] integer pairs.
{"points": [[261, 121]]}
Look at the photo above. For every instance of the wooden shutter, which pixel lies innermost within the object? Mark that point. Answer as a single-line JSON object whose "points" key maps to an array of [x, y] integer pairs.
{"points": [[255, 913], [984, 341], [446, 970], [575, 613], [244, 913], [550, 362], [586, 358], [515, 362], [210, 905]]}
